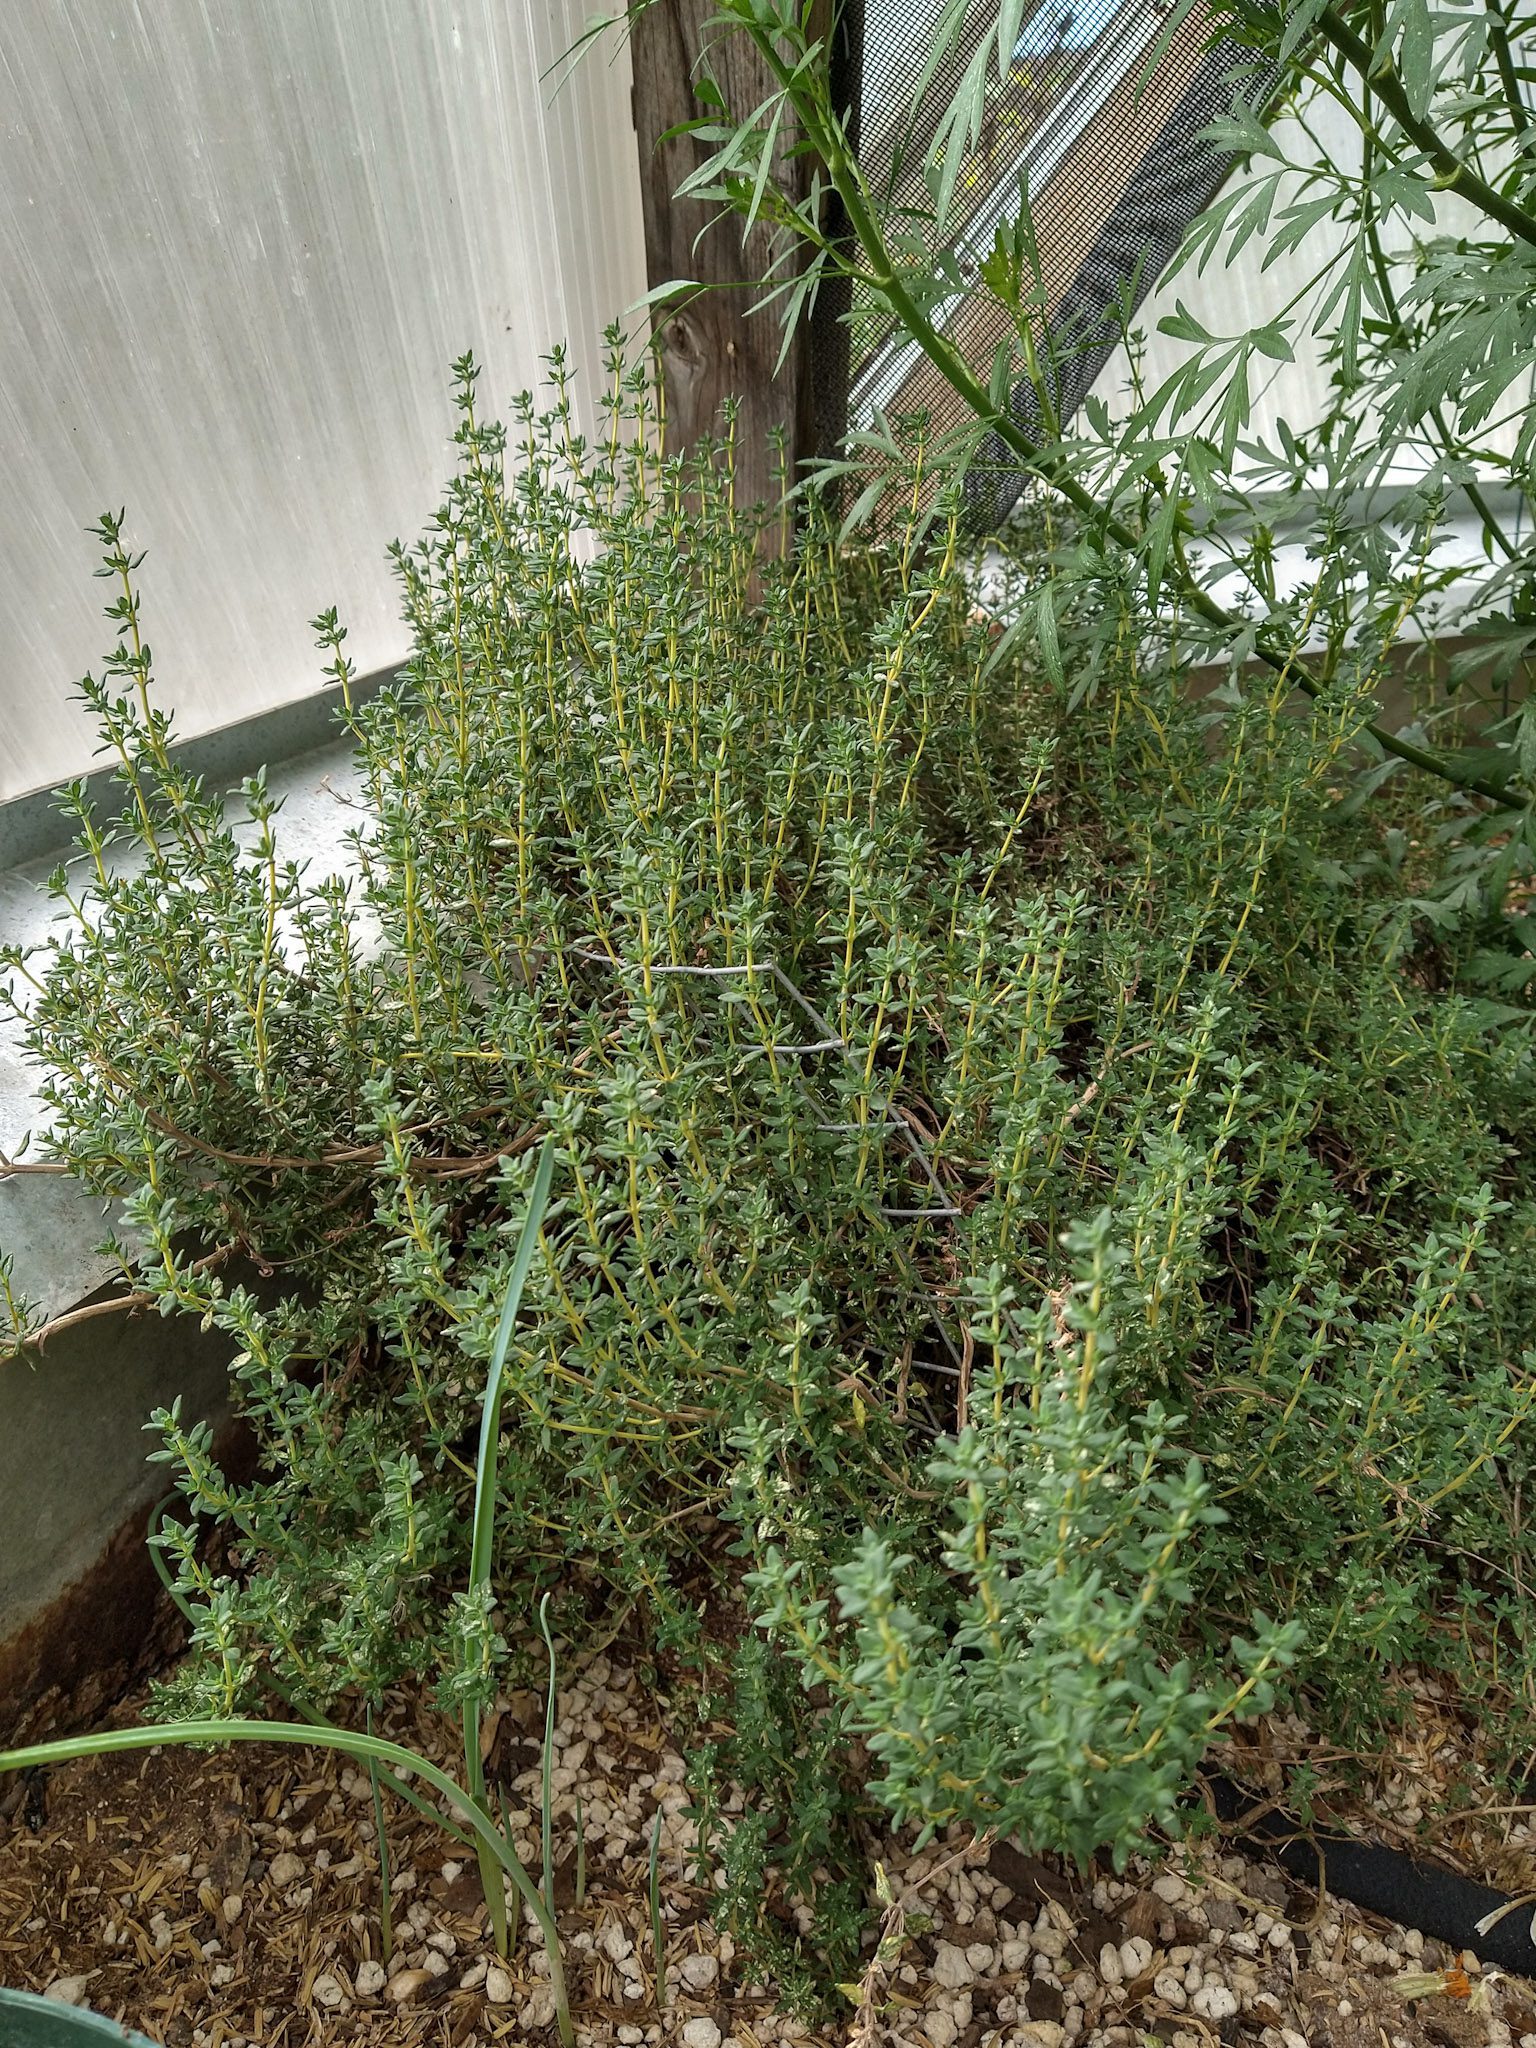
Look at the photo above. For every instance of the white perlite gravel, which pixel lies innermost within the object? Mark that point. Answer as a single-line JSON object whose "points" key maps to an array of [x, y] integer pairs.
{"points": [[1197, 1952], [1204, 1950], [986, 1948]]}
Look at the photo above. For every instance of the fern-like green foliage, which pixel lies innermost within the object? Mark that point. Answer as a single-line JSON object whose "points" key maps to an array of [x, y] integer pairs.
{"points": [[1027, 1236]]}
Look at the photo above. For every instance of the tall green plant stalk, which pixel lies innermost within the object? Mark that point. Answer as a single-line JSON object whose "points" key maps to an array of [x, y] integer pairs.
{"points": [[483, 1537], [381, 1839], [547, 1764], [658, 1929]]}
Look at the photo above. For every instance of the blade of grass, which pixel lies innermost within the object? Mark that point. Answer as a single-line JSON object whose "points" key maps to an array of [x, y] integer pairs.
{"points": [[483, 1538], [386, 1916], [546, 1790], [658, 1936]]}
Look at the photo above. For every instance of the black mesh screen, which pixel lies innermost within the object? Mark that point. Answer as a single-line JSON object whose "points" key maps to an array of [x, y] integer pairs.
{"points": [[1100, 115]]}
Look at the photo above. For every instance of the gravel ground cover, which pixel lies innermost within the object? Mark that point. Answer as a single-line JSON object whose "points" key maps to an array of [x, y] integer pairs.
{"points": [[215, 1900]]}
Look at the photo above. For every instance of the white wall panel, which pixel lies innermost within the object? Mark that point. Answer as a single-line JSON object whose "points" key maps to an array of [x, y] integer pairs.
{"points": [[1230, 299], [240, 241]]}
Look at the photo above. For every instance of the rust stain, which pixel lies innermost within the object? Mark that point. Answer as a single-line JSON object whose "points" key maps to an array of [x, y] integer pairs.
{"points": [[104, 1633]]}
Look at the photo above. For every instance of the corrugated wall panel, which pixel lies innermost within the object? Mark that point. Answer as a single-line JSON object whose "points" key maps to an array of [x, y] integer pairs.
{"points": [[240, 241]]}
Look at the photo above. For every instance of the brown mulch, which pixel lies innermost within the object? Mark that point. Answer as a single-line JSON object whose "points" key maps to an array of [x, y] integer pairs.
{"points": [[214, 1899], [166, 1879]]}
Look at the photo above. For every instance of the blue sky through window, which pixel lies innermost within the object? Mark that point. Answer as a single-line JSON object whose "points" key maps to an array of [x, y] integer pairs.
{"points": [[1065, 25]]}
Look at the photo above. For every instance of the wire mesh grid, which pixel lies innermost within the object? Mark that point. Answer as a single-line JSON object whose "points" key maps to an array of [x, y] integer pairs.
{"points": [[1102, 117]]}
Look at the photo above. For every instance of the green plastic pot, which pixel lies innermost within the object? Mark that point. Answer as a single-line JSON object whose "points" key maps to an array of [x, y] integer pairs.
{"points": [[28, 2022]]}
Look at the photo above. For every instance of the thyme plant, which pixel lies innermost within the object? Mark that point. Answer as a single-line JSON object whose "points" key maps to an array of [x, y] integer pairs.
{"points": [[1035, 1261]]}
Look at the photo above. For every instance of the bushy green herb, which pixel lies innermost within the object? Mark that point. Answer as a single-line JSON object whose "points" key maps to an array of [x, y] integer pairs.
{"points": [[1009, 1174]]}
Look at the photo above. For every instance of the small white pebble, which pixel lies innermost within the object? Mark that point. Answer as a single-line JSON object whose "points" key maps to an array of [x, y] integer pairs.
{"points": [[701, 2033], [1111, 1970], [1215, 2002], [498, 1985], [67, 1990], [1169, 1987], [1135, 1955], [327, 1992], [952, 1968], [285, 1869], [699, 1973], [1169, 1888], [370, 1979], [539, 2009]]}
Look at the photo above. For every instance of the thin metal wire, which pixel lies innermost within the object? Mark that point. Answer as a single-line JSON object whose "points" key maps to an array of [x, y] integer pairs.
{"points": [[830, 1041]]}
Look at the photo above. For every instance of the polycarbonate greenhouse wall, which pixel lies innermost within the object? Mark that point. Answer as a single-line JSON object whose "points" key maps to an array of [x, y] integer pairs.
{"points": [[240, 242]]}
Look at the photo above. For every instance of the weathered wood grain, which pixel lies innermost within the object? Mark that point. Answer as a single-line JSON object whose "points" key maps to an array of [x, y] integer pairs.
{"points": [[714, 347]]}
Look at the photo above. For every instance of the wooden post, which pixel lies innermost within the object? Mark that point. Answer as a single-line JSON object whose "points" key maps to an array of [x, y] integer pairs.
{"points": [[714, 347]]}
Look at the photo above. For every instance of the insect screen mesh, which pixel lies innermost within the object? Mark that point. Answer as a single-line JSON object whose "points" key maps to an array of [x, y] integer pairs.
{"points": [[1100, 117]]}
